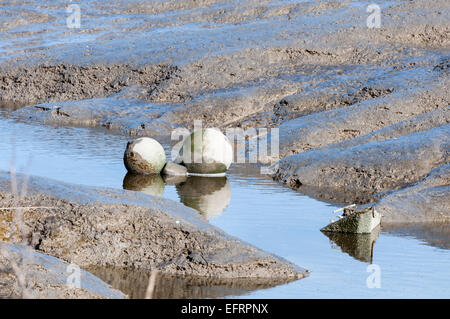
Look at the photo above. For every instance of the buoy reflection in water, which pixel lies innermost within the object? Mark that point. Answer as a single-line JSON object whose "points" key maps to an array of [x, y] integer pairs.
{"points": [[208, 195], [148, 184]]}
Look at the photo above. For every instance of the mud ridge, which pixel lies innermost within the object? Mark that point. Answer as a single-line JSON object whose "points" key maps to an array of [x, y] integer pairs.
{"points": [[107, 227], [42, 84]]}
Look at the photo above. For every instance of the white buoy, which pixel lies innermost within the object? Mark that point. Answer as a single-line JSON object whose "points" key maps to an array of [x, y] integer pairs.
{"points": [[144, 156], [207, 151]]}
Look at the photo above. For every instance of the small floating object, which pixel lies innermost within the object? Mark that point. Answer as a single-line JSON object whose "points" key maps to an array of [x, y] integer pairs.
{"points": [[144, 156], [206, 151], [357, 222]]}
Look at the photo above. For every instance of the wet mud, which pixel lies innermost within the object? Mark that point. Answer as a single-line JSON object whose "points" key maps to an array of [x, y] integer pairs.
{"points": [[363, 114], [108, 227]]}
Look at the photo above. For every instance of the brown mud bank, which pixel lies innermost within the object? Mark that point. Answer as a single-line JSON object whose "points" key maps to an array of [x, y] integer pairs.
{"points": [[45, 277], [114, 228], [426, 201], [370, 169], [414, 165]]}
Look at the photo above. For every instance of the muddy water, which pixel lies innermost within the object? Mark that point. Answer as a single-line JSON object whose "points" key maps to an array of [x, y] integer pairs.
{"points": [[245, 204]]}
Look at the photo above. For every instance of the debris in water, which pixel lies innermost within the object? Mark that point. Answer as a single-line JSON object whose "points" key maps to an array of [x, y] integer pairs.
{"points": [[352, 221]]}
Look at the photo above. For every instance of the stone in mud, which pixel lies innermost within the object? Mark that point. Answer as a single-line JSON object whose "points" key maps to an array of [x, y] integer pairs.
{"points": [[147, 184], [359, 222], [172, 169], [93, 226], [144, 156], [46, 277], [207, 151]]}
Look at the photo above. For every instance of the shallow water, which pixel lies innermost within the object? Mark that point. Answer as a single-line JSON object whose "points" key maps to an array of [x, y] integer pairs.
{"points": [[244, 204]]}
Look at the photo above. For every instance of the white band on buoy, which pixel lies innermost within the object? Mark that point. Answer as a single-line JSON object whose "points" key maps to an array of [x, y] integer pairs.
{"points": [[206, 175]]}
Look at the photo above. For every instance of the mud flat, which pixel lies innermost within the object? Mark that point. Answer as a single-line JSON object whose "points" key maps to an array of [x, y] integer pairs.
{"points": [[108, 227], [363, 113], [45, 277], [416, 165], [425, 201], [151, 68], [351, 95], [370, 168]]}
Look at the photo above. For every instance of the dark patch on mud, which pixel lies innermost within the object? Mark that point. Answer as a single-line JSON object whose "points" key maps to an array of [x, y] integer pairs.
{"points": [[41, 84]]}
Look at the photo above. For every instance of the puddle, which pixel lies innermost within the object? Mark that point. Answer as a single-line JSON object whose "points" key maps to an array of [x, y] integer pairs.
{"points": [[245, 204]]}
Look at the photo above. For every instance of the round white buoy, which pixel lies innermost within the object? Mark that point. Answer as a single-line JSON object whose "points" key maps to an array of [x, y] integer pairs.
{"points": [[144, 156], [207, 151]]}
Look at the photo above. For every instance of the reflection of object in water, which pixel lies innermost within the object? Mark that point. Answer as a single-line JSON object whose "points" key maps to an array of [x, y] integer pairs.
{"points": [[174, 180], [148, 184], [436, 234], [208, 195], [359, 246], [134, 283]]}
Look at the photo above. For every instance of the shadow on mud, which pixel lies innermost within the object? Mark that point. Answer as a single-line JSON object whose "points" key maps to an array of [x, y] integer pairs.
{"points": [[134, 283]]}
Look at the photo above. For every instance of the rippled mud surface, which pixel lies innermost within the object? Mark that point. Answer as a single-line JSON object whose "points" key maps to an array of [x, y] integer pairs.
{"points": [[248, 205]]}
